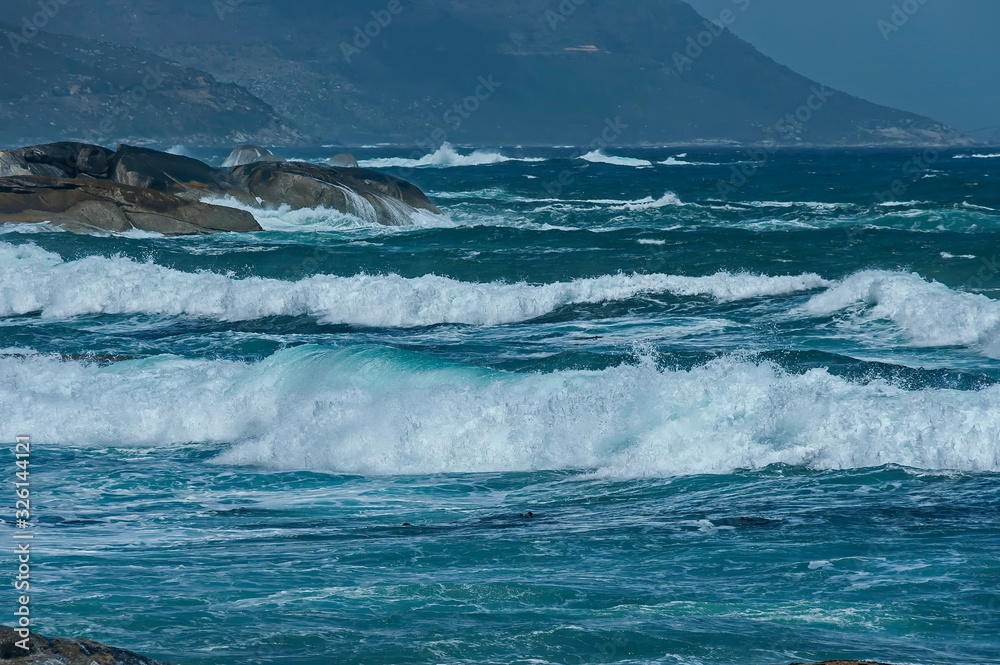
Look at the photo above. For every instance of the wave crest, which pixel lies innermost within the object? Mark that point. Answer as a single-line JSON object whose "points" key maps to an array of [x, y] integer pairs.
{"points": [[598, 157], [34, 280], [447, 156], [377, 411]]}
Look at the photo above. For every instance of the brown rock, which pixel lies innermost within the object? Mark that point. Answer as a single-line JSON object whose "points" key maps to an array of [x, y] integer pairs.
{"points": [[367, 194], [174, 174], [48, 651], [12, 163], [85, 205]]}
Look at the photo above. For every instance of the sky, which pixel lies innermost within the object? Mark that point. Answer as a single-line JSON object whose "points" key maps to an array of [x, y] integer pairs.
{"points": [[943, 61]]}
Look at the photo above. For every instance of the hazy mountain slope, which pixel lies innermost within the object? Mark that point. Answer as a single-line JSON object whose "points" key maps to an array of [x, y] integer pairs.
{"points": [[552, 89], [56, 87]]}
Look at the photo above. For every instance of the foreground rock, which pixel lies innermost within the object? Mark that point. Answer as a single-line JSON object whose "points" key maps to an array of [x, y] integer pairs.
{"points": [[248, 154], [83, 187], [367, 194], [47, 651], [87, 205]]}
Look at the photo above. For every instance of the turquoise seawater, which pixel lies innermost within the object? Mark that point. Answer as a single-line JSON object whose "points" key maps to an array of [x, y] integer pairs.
{"points": [[647, 406]]}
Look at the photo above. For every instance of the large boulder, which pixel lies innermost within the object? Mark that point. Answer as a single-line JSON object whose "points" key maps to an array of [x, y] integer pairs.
{"points": [[248, 154], [67, 159], [373, 196], [85, 205], [49, 651], [174, 174]]}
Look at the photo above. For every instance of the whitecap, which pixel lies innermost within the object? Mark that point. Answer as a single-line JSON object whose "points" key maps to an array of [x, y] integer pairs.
{"points": [[598, 157]]}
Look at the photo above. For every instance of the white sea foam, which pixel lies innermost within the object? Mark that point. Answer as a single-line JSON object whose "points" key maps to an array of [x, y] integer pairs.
{"points": [[598, 157], [815, 205], [979, 156], [376, 411], [299, 220], [678, 160], [34, 280], [40, 227], [901, 204], [498, 193], [446, 156], [648, 203], [929, 313]]}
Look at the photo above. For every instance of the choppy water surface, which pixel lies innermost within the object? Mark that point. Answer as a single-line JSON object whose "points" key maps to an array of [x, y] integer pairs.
{"points": [[751, 407]]}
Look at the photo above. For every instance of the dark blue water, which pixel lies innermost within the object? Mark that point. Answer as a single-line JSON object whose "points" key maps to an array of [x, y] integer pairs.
{"points": [[748, 400]]}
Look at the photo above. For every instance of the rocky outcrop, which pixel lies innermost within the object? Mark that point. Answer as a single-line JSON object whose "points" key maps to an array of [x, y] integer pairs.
{"points": [[248, 154], [67, 159], [367, 194], [174, 174], [12, 163], [87, 205], [56, 86], [83, 188], [48, 651]]}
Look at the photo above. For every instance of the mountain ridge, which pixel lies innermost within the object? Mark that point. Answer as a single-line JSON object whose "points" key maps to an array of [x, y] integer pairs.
{"points": [[389, 71]]}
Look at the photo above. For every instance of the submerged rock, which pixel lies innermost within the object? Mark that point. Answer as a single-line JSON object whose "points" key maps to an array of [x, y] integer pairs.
{"points": [[49, 651], [85, 205], [67, 159], [248, 154], [174, 174], [343, 160], [373, 196]]}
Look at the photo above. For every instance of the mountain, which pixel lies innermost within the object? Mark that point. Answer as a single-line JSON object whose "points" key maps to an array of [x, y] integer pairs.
{"points": [[499, 72], [58, 87]]}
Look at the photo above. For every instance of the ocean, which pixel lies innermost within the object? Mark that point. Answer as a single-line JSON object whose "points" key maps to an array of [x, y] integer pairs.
{"points": [[706, 406]]}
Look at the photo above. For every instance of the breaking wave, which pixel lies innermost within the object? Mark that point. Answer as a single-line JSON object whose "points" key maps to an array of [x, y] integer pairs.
{"points": [[446, 156], [380, 411], [928, 313], [598, 157], [34, 280]]}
